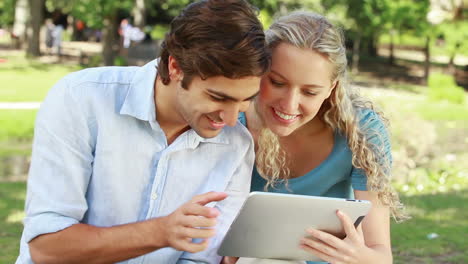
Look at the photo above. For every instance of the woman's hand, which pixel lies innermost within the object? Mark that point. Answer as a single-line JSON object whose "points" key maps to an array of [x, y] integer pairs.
{"points": [[334, 250]]}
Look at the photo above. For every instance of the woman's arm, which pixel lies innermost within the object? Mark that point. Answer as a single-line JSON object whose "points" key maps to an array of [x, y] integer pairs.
{"points": [[369, 243]]}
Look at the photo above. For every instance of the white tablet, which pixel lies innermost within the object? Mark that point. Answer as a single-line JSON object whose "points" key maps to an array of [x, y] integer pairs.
{"points": [[271, 225]]}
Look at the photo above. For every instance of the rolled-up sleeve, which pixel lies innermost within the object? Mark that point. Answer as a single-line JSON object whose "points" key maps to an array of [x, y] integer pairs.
{"points": [[61, 163]]}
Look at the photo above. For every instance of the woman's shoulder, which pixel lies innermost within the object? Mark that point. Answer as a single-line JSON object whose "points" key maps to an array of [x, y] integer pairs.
{"points": [[370, 120], [242, 119]]}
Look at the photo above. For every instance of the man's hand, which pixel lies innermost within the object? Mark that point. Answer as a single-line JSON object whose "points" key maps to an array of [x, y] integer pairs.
{"points": [[192, 220]]}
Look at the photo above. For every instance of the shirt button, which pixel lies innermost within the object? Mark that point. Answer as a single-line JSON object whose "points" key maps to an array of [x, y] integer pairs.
{"points": [[154, 196]]}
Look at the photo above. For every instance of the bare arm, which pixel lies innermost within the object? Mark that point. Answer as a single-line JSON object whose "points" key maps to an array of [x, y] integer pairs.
{"points": [[83, 243], [369, 243]]}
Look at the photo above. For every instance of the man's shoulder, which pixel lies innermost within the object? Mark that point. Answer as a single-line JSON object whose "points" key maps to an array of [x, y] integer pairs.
{"points": [[102, 75]]}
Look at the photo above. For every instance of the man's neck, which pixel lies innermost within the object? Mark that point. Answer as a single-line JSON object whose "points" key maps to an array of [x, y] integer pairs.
{"points": [[167, 114]]}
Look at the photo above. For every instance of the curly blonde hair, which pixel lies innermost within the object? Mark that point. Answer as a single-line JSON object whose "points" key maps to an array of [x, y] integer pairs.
{"points": [[340, 111]]}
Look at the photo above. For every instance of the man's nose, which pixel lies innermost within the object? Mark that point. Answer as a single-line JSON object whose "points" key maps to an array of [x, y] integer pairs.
{"points": [[229, 114]]}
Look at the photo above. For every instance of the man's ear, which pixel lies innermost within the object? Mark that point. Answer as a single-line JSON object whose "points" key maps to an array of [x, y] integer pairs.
{"points": [[175, 72]]}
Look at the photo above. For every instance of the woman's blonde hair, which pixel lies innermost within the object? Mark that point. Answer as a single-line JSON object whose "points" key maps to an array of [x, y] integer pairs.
{"points": [[340, 111]]}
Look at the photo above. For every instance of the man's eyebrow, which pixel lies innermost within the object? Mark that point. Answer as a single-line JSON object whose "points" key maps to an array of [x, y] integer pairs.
{"points": [[305, 85], [230, 98]]}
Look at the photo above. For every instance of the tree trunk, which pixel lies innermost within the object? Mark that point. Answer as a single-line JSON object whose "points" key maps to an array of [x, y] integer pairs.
{"points": [[21, 23], [139, 14], [34, 31], [427, 60], [371, 46], [391, 60], [451, 64], [355, 58], [110, 39]]}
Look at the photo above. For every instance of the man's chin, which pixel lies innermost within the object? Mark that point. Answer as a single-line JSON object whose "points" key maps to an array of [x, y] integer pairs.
{"points": [[206, 133]]}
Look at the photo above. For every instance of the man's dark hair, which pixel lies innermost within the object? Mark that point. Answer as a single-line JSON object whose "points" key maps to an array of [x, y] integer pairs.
{"points": [[215, 38]]}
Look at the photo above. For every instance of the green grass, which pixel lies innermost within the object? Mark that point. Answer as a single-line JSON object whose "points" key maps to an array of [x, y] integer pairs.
{"points": [[12, 196], [17, 124], [16, 131], [29, 80], [439, 111], [442, 214]]}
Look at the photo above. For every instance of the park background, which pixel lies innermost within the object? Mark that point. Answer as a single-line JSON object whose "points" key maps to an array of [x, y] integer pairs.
{"points": [[410, 57]]}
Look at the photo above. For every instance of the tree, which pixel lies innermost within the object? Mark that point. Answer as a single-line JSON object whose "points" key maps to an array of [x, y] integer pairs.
{"points": [[139, 13], [449, 18], [99, 14], [36, 14], [21, 22]]}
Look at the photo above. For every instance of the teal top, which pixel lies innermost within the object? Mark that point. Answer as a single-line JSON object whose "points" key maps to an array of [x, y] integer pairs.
{"points": [[336, 176]]}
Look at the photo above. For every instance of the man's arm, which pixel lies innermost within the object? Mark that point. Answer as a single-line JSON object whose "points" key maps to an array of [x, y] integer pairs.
{"points": [[82, 243]]}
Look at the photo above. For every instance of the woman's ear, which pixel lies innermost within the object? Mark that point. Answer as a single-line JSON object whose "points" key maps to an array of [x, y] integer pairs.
{"points": [[332, 88], [175, 72]]}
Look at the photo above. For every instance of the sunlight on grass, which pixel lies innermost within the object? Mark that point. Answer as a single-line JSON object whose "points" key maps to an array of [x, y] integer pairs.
{"points": [[17, 124], [29, 80], [15, 217]]}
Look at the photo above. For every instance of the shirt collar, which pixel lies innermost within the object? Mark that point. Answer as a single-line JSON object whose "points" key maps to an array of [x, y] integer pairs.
{"points": [[139, 101], [140, 104]]}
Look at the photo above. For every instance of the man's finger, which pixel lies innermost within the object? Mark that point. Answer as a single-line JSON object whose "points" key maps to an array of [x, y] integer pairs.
{"points": [[209, 197], [198, 232], [197, 221], [199, 210]]}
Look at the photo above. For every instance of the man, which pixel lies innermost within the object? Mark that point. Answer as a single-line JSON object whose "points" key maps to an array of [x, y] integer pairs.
{"points": [[136, 164]]}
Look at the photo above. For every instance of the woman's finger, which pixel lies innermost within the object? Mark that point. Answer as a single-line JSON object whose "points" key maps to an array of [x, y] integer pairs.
{"points": [[348, 225], [326, 238], [322, 255]]}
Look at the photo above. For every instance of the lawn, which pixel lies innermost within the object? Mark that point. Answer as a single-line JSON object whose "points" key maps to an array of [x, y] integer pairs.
{"points": [[25, 80], [437, 231], [16, 131], [11, 213]]}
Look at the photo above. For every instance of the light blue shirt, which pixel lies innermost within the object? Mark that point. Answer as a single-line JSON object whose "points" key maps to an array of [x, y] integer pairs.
{"points": [[100, 158]]}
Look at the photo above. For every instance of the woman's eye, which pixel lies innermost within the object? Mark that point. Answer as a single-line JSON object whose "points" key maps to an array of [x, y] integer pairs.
{"points": [[310, 93]]}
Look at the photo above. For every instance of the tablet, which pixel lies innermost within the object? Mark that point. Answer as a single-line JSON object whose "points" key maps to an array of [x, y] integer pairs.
{"points": [[271, 225]]}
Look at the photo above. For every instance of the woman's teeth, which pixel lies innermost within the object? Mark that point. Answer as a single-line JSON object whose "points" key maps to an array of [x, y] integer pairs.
{"points": [[285, 116]]}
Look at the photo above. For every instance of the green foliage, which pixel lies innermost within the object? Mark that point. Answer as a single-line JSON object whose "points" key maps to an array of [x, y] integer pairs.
{"points": [[94, 61], [453, 36], [440, 176], [443, 87], [92, 12], [120, 61], [159, 31], [265, 18], [7, 12]]}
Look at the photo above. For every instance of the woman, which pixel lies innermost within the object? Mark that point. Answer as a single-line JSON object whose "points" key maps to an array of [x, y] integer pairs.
{"points": [[315, 135]]}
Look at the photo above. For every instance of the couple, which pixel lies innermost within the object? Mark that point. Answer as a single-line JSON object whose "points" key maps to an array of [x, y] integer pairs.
{"points": [[150, 164]]}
